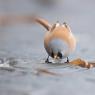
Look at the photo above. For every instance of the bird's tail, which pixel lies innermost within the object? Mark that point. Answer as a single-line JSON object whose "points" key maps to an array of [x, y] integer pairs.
{"points": [[42, 21]]}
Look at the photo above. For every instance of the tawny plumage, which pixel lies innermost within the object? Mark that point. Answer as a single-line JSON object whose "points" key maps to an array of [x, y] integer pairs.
{"points": [[59, 41]]}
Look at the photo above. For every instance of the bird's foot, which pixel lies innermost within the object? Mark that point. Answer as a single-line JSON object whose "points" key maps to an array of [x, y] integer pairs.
{"points": [[47, 61], [67, 60]]}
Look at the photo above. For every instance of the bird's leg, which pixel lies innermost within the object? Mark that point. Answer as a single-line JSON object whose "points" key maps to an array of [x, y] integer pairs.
{"points": [[67, 60], [47, 60]]}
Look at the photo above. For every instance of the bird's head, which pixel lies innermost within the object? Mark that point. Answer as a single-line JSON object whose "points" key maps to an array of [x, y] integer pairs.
{"points": [[57, 55]]}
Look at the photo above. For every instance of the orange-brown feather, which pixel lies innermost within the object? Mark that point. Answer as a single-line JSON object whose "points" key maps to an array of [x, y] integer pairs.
{"points": [[61, 33]]}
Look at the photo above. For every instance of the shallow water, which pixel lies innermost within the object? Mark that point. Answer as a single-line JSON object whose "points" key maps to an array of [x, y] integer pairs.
{"points": [[23, 54]]}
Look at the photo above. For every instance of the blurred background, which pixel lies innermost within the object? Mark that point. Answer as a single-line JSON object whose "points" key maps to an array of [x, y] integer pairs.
{"points": [[21, 43]]}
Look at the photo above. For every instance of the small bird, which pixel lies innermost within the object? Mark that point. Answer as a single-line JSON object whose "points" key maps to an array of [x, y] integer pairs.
{"points": [[59, 41]]}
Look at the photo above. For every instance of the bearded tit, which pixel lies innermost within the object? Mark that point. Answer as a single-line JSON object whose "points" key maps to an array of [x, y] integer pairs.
{"points": [[59, 41]]}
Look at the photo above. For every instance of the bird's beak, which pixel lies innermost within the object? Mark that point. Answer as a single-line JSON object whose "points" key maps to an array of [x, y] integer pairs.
{"points": [[56, 57]]}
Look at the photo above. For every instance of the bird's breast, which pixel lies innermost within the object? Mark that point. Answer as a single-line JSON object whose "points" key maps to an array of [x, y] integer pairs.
{"points": [[57, 45]]}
